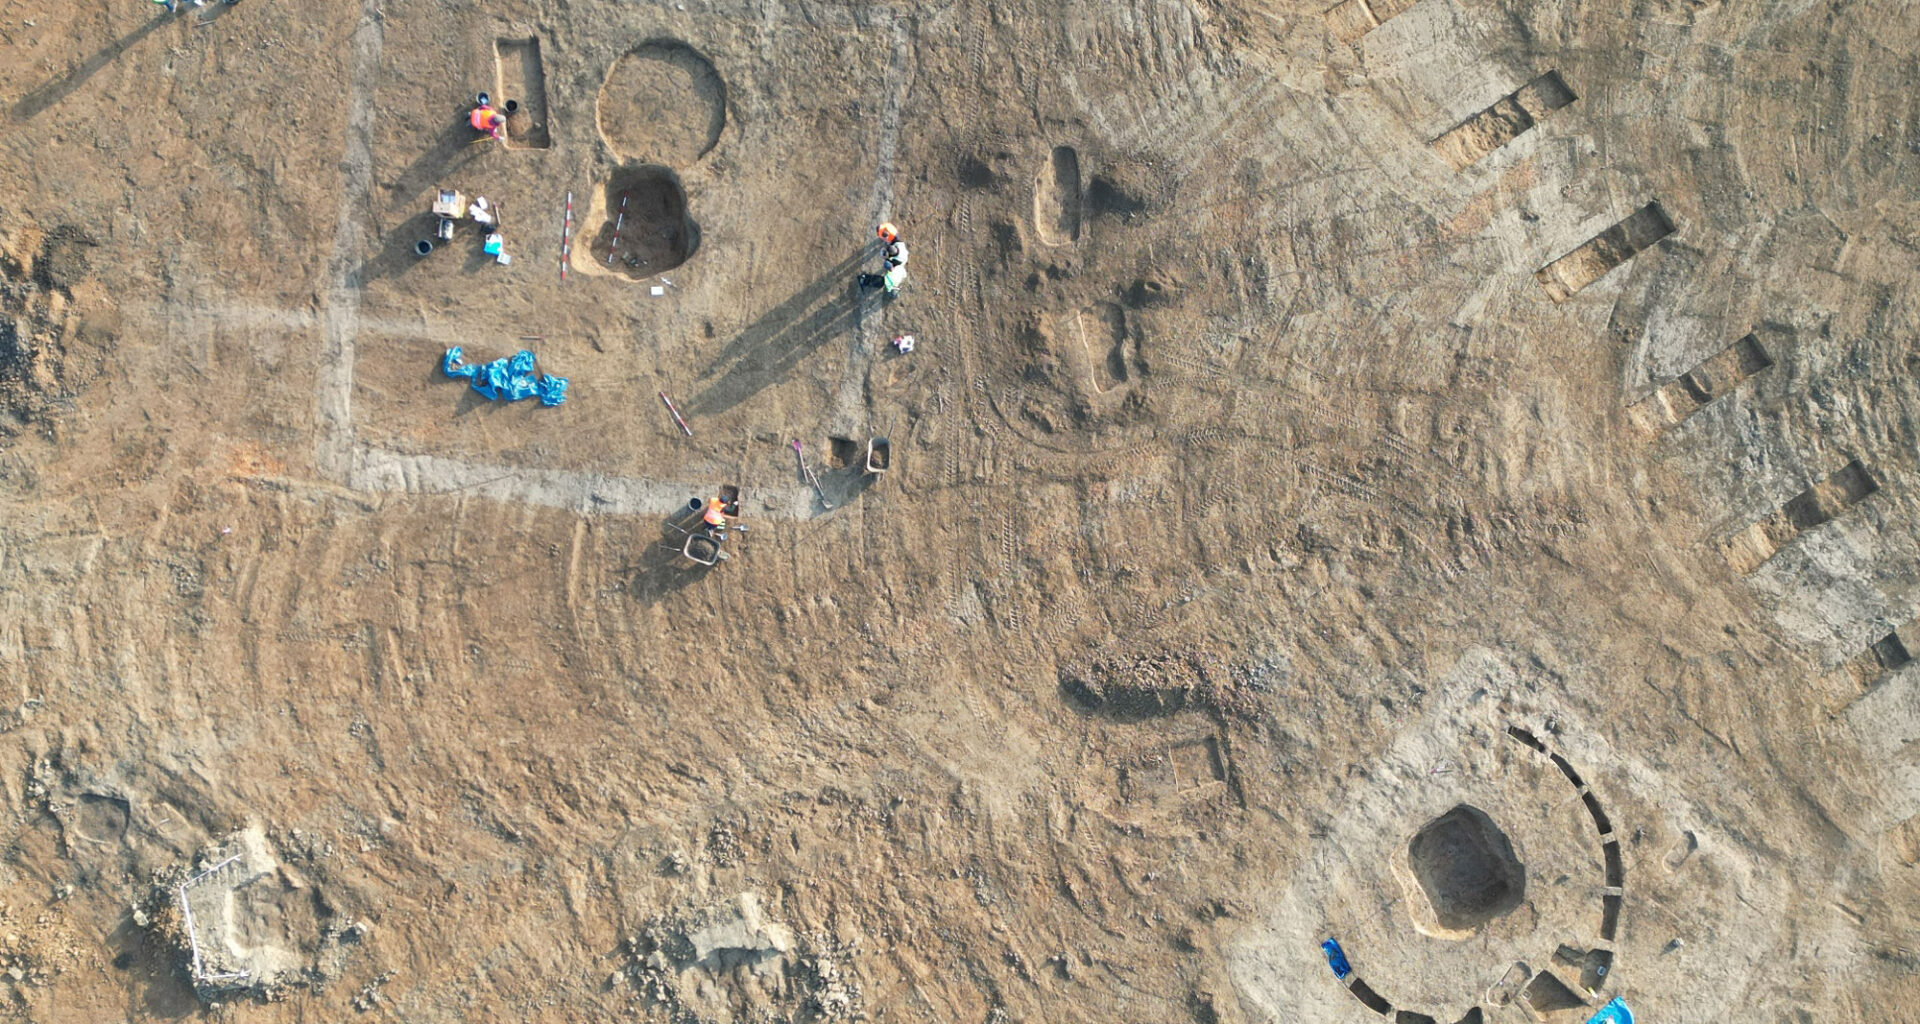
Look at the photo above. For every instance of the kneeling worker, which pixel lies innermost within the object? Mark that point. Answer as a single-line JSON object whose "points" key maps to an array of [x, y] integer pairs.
{"points": [[718, 512], [486, 119]]}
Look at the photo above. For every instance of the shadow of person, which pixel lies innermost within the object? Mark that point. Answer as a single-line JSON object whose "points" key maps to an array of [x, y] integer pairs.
{"points": [[454, 146], [397, 253], [38, 100], [770, 322], [783, 336], [213, 11], [845, 484], [663, 572], [477, 256]]}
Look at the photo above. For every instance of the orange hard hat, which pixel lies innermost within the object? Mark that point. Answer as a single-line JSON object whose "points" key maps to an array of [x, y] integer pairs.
{"points": [[888, 231]]}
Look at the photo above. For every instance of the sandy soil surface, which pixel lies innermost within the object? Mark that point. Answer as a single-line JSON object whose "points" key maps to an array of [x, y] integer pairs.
{"points": [[1437, 476]]}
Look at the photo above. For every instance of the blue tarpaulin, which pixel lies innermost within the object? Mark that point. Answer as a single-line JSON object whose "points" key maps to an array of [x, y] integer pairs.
{"points": [[1615, 1012], [1336, 959], [508, 380], [452, 366]]}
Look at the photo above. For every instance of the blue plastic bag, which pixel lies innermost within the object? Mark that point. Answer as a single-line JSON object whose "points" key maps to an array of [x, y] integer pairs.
{"points": [[454, 366], [1337, 959]]}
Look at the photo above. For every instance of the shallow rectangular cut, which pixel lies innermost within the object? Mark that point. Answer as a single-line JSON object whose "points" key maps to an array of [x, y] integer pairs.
{"points": [[523, 79], [1352, 19], [1566, 276], [1717, 375], [1747, 550], [1503, 121]]}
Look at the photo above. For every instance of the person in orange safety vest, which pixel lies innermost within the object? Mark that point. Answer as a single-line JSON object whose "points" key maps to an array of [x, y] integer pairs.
{"points": [[486, 119]]}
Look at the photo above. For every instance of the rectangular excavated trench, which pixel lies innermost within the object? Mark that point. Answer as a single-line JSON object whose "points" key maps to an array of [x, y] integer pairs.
{"points": [[522, 79], [1566, 769], [1508, 118], [1374, 1001], [1601, 822], [1592, 260], [1547, 994], [1819, 504], [1526, 737], [1717, 375]]}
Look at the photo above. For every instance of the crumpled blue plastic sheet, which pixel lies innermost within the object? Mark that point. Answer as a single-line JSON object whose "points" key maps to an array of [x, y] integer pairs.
{"points": [[508, 380], [453, 366], [1336, 959]]}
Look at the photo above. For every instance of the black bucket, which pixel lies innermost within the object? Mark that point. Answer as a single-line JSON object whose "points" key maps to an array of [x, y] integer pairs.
{"points": [[422, 247], [512, 107]]}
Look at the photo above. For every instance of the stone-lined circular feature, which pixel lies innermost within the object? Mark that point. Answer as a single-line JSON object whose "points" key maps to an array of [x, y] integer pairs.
{"points": [[1502, 881]]}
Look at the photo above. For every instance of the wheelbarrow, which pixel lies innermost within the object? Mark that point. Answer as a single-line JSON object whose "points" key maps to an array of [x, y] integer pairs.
{"points": [[703, 540], [703, 546]]}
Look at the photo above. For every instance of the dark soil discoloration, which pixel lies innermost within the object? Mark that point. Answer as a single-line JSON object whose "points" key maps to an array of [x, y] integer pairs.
{"points": [[55, 323], [1151, 684], [649, 229]]}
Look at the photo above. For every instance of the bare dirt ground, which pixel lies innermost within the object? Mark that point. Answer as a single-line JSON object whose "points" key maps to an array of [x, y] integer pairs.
{"points": [[1438, 476]]}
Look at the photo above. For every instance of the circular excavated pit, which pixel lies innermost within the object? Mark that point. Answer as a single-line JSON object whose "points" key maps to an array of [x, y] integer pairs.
{"points": [[664, 103], [654, 234], [100, 817], [1466, 868]]}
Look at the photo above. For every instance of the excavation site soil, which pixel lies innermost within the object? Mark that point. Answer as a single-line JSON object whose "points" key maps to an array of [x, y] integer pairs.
{"points": [[1390, 511]]}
